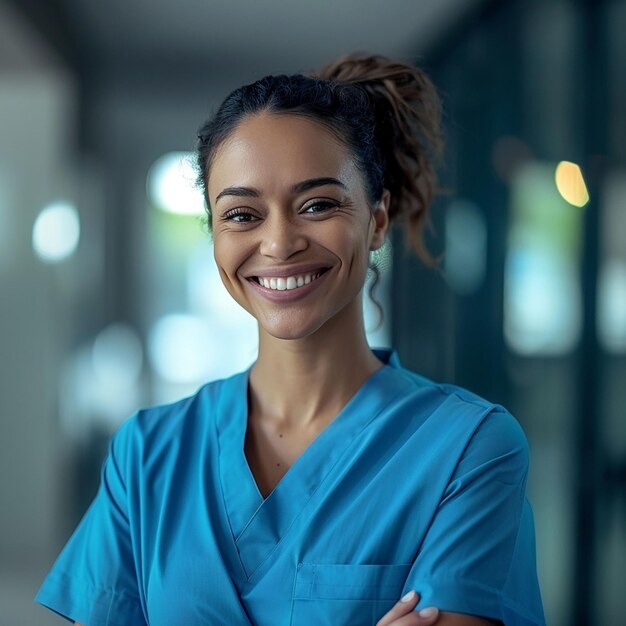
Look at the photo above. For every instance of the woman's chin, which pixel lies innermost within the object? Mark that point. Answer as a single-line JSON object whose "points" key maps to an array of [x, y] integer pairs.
{"points": [[289, 329]]}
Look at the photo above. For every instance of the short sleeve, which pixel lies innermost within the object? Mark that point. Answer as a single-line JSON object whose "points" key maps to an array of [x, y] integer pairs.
{"points": [[94, 579], [478, 555]]}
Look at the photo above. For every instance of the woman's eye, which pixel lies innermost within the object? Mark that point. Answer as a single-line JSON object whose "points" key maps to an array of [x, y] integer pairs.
{"points": [[239, 217], [320, 206]]}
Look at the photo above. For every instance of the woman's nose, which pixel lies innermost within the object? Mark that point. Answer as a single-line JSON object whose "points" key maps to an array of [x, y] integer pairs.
{"points": [[281, 239]]}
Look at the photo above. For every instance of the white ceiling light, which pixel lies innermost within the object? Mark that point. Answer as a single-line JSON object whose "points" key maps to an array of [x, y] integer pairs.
{"points": [[172, 184], [180, 348], [56, 232]]}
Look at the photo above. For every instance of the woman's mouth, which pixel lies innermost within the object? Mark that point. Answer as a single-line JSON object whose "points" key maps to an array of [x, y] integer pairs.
{"points": [[288, 283]]}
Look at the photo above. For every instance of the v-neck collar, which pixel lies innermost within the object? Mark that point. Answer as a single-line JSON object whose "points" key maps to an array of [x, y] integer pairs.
{"points": [[259, 524]]}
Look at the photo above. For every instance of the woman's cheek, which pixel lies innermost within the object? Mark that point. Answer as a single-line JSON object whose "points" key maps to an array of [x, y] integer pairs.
{"points": [[227, 262]]}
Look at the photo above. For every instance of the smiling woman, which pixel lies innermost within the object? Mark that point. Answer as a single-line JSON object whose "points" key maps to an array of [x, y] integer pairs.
{"points": [[325, 482], [287, 210]]}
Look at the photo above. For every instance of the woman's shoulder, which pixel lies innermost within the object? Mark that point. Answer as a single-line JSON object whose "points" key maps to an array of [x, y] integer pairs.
{"points": [[171, 425], [490, 428]]}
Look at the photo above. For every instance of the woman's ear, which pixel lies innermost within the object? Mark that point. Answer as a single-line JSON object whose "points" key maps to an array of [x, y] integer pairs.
{"points": [[380, 219]]}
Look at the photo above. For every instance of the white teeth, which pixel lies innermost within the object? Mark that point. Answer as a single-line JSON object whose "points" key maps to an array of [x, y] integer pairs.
{"points": [[291, 282]]}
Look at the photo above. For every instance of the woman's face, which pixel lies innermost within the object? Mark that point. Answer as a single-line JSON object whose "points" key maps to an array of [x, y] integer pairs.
{"points": [[291, 223]]}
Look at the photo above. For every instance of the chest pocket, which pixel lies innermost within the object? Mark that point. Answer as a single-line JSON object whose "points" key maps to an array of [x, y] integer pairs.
{"points": [[338, 594]]}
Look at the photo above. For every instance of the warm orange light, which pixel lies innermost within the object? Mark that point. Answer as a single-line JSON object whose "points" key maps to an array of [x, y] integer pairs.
{"points": [[571, 184]]}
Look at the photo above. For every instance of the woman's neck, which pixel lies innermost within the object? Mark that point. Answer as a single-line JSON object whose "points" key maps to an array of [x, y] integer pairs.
{"points": [[300, 382]]}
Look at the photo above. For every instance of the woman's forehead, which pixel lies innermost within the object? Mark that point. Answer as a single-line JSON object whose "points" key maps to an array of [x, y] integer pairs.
{"points": [[270, 149]]}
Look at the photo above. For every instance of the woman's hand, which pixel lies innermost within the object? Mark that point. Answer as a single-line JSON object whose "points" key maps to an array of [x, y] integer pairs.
{"points": [[401, 614]]}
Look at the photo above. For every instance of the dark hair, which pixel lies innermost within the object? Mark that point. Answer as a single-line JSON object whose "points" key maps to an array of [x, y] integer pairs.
{"points": [[387, 113]]}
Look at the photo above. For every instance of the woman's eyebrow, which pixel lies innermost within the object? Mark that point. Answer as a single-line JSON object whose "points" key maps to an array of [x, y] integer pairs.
{"points": [[305, 185], [240, 192], [311, 183]]}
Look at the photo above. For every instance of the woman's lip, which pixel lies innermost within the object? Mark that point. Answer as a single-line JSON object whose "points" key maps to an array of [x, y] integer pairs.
{"points": [[285, 272], [287, 295]]}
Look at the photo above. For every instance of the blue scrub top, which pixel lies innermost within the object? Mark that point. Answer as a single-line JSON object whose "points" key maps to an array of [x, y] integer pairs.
{"points": [[414, 485]]}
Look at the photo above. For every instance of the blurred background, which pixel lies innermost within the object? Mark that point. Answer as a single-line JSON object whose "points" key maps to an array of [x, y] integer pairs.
{"points": [[109, 299]]}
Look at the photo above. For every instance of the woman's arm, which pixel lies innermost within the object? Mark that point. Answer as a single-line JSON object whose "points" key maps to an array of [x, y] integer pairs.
{"points": [[402, 614], [478, 554], [100, 550]]}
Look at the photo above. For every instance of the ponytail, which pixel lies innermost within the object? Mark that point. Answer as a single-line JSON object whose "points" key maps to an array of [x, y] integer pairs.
{"points": [[407, 115]]}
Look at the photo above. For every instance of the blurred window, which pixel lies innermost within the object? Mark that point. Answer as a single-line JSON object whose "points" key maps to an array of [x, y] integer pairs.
{"points": [[542, 296]]}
